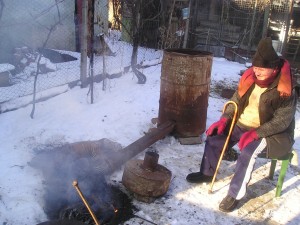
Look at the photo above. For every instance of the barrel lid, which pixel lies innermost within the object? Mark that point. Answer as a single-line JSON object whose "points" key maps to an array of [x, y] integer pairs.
{"points": [[187, 52], [135, 167]]}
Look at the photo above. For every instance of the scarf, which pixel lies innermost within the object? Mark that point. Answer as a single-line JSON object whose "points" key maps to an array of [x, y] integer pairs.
{"points": [[284, 85], [266, 82]]}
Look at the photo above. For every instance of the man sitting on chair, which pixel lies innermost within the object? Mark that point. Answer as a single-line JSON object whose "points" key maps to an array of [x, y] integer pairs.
{"points": [[265, 123]]}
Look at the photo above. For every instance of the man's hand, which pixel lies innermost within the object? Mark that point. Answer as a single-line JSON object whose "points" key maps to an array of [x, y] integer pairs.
{"points": [[246, 138], [218, 127]]}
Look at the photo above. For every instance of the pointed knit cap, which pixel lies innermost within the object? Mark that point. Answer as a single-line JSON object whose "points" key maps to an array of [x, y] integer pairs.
{"points": [[265, 55]]}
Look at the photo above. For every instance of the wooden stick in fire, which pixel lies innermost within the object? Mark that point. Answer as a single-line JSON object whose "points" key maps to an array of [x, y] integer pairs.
{"points": [[75, 184]]}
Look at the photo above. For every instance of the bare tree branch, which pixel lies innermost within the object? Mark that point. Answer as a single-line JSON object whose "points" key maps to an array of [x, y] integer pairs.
{"points": [[58, 12], [136, 25], [51, 29]]}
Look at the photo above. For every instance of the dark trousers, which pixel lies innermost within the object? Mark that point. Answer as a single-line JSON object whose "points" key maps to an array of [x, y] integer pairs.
{"points": [[245, 162]]}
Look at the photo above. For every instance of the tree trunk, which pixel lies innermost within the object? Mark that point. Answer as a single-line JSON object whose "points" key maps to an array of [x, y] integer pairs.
{"points": [[136, 16]]}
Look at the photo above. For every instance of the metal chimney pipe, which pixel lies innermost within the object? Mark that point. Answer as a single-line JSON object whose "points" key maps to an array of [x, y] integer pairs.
{"points": [[141, 144]]}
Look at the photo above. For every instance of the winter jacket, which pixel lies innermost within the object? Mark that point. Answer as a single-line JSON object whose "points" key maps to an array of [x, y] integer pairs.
{"points": [[277, 118]]}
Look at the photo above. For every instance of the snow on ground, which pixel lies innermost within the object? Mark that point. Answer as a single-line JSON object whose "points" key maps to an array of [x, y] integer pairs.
{"points": [[123, 114]]}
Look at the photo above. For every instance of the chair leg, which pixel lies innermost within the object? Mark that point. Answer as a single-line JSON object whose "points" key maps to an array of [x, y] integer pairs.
{"points": [[272, 168], [284, 166]]}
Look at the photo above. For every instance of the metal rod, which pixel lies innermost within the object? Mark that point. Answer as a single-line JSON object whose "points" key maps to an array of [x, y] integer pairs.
{"points": [[226, 142], [75, 184], [145, 219]]}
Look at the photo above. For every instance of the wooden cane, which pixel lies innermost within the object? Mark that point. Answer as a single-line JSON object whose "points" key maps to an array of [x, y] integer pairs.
{"points": [[226, 142], [75, 184]]}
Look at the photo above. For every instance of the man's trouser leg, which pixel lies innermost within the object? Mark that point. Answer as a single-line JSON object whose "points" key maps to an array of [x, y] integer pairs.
{"points": [[244, 167], [213, 148]]}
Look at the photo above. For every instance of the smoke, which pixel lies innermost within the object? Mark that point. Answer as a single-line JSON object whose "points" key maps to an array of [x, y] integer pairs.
{"points": [[87, 162]]}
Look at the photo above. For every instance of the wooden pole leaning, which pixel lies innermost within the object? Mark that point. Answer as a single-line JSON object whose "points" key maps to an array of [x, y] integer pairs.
{"points": [[75, 184], [226, 142]]}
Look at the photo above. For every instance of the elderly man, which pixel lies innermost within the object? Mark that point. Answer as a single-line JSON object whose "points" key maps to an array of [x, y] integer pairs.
{"points": [[265, 123]]}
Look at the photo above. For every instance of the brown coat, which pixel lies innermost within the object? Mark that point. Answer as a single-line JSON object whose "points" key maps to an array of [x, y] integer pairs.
{"points": [[277, 118]]}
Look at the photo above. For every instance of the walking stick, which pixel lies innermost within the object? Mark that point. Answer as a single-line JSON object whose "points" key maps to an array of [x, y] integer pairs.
{"points": [[75, 184], [226, 142]]}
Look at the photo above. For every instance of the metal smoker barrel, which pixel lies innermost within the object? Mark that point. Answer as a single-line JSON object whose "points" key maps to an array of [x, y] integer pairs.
{"points": [[184, 89]]}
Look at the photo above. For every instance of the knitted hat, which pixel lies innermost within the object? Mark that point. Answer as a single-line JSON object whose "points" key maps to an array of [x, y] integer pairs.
{"points": [[265, 55]]}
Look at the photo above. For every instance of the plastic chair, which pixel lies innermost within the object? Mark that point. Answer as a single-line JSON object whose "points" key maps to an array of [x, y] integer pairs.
{"points": [[284, 167]]}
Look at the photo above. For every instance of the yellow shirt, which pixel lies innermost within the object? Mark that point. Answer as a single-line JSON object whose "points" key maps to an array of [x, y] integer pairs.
{"points": [[250, 116]]}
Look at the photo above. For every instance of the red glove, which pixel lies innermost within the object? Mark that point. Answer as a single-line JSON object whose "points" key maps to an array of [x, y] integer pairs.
{"points": [[246, 138], [218, 126]]}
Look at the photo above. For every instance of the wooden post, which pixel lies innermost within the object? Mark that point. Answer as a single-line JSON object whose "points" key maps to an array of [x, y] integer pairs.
{"points": [[193, 20], [287, 28], [91, 50], [266, 20], [83, 51], [252, 28], [187, 24]]}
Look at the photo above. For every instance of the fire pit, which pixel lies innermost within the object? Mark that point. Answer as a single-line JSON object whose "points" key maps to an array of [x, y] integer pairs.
{"points": [[90, 162], [85, 162], [111, 211]]}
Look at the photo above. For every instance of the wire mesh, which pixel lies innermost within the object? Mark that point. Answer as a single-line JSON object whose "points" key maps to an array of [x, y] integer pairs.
{"points": [[31, 27], [239, 23]]}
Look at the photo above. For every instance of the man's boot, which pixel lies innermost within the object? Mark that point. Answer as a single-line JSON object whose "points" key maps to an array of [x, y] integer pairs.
{"points": [[228, 204], [198, 177]]}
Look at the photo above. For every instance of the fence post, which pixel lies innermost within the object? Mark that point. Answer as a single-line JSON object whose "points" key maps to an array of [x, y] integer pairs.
{"points": [[84, 39], [187, 24], [287, 28], [252, 29], [266, 20]]}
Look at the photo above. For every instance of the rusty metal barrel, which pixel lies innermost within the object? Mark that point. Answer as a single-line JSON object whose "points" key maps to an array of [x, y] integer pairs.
{"points": [[184, 90]]}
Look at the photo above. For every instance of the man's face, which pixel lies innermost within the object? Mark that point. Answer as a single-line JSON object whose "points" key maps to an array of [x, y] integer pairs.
{"points": [[262, 73]]}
